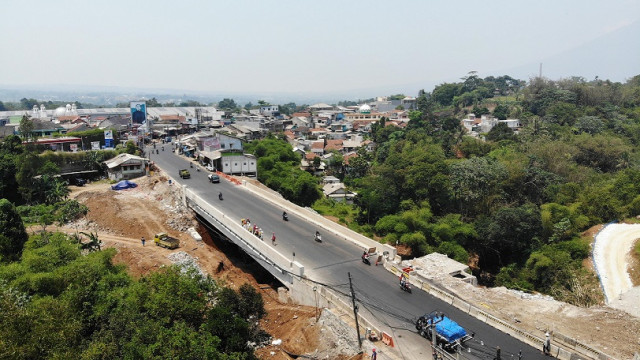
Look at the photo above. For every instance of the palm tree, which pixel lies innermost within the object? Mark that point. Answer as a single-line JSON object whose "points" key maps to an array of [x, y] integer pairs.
{"points": [[93, 244]]}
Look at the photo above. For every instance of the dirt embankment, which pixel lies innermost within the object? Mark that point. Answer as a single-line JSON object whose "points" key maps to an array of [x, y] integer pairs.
{"points": [[122, 218]]}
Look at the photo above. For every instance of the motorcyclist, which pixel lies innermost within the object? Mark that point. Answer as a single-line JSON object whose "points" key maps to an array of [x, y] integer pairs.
{"points": [[403, 281], [220, 195], [163, 148], [190, 165], [317, 235], [365, 255], [284, 215]]}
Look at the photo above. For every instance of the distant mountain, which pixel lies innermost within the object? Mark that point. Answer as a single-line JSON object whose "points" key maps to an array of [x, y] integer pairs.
{"points": [[614, 56]]}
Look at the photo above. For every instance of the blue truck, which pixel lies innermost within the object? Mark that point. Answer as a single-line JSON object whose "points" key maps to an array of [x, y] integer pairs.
{"points": [[449, 335]]}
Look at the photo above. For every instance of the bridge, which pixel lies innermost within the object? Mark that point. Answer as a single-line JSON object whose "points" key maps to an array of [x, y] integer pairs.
{"points": [[316, 274]]}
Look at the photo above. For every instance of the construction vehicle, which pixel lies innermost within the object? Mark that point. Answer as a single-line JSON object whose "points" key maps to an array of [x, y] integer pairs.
{"points": [[184, 173], [166, 241], [449, 335]]}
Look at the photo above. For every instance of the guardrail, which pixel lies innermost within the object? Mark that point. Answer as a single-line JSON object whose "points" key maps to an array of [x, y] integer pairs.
{"points": [[259, 247], [502, 325], [337, 230]]}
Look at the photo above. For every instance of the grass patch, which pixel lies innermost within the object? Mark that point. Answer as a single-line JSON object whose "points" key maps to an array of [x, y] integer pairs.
{"points": [[634, 264], [344, 214]]}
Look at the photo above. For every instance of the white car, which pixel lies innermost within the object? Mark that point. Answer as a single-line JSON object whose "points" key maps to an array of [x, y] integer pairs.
{"points": [[210, 167]]}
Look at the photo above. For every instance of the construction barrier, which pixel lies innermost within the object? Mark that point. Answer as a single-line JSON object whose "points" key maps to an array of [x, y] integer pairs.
{"points": [[387, 339]]}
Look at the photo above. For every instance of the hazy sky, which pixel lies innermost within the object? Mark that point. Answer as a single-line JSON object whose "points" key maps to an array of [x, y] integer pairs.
{"points": [[290, 46]]}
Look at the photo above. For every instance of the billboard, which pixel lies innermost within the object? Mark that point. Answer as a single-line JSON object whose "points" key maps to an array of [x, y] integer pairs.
{"points": [[73, 147], [138, 112], [108, 134], [95, 145]]}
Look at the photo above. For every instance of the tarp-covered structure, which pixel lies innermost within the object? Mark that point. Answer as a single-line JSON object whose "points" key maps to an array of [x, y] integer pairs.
{"points": [[124, 184]]}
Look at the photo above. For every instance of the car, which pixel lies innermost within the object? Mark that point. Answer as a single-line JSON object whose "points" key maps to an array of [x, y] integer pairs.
{"points": [[210, 167], [214, 178], [78, 181]]}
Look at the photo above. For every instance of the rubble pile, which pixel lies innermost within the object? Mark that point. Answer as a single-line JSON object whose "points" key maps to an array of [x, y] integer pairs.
{"points": [[186, 262]]}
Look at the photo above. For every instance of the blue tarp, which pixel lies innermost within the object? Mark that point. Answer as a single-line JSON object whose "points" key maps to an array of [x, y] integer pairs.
{"points": [[124, 184], [450, 330]]}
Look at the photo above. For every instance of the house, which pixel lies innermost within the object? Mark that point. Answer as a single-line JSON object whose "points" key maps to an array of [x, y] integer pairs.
{"points": [[330, 180], [270, 110], [338, 192], [320, 106], [125, 167], [317, 147], [333, 145]]}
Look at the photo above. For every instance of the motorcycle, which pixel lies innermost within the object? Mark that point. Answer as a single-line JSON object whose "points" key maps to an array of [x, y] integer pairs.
{"points": [[191, 165], [220, 196], [197, 169], [318, 237], [285, 217], [365, 259], [406, 287]]}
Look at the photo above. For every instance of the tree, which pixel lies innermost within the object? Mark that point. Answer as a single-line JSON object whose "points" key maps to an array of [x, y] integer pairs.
{"points": [[509, 235], [227, 104], [26, 128], [501, 111], [589, 124], [153, 102], [501, 131], [476, 184], [13, 235], [94, 243]]}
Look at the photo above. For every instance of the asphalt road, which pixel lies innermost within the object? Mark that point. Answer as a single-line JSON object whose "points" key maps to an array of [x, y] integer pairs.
{"points": [[330, 262]]}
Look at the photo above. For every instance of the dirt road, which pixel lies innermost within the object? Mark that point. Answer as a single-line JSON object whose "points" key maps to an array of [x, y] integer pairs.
{"points": [[612, 246]]}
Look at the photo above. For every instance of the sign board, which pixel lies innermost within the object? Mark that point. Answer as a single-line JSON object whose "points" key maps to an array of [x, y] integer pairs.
{"points": [[73, 147], [138, 112], [108, 134], [108, 143], [95, 145]]}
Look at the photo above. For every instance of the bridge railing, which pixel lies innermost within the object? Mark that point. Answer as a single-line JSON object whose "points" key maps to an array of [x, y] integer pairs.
{"points": [[338, 230], [260, 247]]}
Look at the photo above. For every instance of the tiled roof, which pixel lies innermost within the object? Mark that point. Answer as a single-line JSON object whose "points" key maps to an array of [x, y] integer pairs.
{"points": [[333, 145]]}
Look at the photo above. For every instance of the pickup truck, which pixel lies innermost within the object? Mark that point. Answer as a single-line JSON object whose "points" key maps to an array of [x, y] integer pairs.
{"points": [[166, 241], [449, 334], [184, 173]]}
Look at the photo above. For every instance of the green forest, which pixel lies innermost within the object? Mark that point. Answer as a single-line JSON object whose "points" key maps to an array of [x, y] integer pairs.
{"points": [[61, 297], [511, 205]]}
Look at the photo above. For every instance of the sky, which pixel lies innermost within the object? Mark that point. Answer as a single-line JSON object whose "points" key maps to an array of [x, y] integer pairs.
{"points": [[299, 46]]}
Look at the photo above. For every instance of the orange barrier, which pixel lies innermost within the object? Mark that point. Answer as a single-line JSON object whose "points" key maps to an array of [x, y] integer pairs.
{"points": [[231, 179], [387, 339]]}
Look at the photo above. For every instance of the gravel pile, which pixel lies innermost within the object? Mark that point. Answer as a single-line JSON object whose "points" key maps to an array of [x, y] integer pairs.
{"points": [[186, 262]]}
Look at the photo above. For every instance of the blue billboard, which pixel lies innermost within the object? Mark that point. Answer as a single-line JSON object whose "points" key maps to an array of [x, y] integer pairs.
{"points": [[138, 112]]}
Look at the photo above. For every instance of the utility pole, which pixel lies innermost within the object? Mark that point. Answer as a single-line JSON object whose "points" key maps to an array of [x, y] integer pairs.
{"points": [[355, 311], [540, 73]]}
